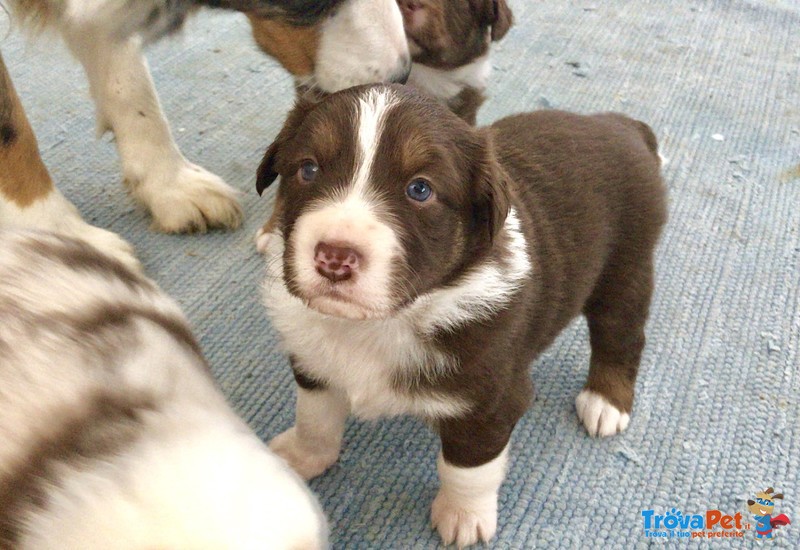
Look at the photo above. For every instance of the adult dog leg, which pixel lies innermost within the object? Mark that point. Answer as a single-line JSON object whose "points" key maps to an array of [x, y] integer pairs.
{"points": [[181, 196], [28, 197]]}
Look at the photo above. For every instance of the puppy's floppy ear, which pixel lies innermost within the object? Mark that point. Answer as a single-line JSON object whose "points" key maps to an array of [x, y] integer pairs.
{"points": [[491, 201], [268, 169], [502, 19]]}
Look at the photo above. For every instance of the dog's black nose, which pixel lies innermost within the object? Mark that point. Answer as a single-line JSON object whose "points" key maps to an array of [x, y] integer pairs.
{"points": [[401, 77]]}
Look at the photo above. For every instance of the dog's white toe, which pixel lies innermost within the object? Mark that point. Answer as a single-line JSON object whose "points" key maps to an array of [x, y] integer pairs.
{"points": [[464, 525], [263, 239], [188, 199], [599, 416], [305, 462]]}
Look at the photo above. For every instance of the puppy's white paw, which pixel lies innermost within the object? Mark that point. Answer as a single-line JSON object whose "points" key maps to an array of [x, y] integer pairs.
{"points": [[263, 238], [308, 463], [187, 198], [599, 416], [464, 524]]}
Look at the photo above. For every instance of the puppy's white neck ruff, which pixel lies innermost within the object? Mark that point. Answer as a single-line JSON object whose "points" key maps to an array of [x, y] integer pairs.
{"points": [[363, 358], [447, 83], [479, 293]]}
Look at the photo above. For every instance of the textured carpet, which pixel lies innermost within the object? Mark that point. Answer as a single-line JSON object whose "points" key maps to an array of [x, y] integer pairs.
{"points": [[717, 414]]}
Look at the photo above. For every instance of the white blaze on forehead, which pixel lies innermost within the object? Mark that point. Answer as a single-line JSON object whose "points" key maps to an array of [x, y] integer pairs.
{"points": [[353, 217], [373, 107]]}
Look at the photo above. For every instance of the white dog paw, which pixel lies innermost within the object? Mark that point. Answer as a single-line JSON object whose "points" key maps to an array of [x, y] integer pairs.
{"points": [[599, 416], [263, 238], [188, 199], [464, 525], [306, 462]]}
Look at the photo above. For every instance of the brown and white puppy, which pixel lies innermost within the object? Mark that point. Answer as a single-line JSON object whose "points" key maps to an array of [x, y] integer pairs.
{"points": [[420, 265], [105, 36], [114, 434], [449, 42]]}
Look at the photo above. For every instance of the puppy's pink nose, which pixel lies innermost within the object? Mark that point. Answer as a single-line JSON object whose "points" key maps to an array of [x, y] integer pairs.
{"points": [[335, 263]]}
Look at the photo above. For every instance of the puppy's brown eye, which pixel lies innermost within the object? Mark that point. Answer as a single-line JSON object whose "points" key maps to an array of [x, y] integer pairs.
{"points": [[308, 171]]}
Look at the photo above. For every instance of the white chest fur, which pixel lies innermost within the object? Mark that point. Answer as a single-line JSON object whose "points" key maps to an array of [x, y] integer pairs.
{"points": [[363, 358], [446, 84], [360, 358]]}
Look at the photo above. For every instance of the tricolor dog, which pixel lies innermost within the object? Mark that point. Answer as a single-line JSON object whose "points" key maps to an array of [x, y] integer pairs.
{"points": [[345, 42], [114, 434], [449, 42], [420, 265]]}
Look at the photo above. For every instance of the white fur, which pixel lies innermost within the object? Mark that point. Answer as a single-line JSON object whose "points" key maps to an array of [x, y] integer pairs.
{"points": [[445, 84], [599, 416], [352, 219], [180, 195], [358, 358], [195, 476], [197, 482], [361, 357], [363, 42], [314, 442], [480, 292], [465, 509], [373, 108], [55, 213]]}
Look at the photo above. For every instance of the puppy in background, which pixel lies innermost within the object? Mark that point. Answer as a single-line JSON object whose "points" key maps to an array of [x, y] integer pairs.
{"points": [[421, 265], [114, 435], [449, 42]]}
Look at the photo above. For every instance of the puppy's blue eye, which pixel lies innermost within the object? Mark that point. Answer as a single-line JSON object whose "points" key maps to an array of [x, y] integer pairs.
{"points": [[308, 171], [419, 190]]}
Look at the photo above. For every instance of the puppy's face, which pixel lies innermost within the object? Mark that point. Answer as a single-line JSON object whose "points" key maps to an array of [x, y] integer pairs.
{"points": [[450, 33], [386, 195], [357, 42]]}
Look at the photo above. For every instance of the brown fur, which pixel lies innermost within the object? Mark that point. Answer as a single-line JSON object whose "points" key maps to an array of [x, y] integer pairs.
{"points": [[449, 34], [294, 47], [24, 178], [589, 196], [108, 424], [452, 33]]}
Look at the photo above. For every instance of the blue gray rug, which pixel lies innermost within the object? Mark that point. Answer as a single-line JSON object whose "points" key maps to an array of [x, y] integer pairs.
{"points": [[717, 414]]}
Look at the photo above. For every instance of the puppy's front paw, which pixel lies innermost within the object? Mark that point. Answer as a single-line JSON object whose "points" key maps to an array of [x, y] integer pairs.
{"points": [[599, 416], [264, 236], [464, 523], [306, 461], [187, 198]]}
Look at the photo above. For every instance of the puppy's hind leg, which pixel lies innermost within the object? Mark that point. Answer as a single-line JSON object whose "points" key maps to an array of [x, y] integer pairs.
{"points": [[28, 198], [616, 312], [181, 196]]}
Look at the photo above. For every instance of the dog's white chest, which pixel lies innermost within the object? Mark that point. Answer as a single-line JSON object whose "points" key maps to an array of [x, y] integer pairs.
{"points": [[360, 358]]}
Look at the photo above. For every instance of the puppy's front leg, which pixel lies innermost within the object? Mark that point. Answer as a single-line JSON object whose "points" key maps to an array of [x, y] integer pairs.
{"points": [[471, 467], [180, 195], [313, 444]]}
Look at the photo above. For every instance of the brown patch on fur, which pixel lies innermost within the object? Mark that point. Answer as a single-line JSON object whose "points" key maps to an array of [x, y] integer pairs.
{"points": [[466, 104], [294, 47], [24, 178], [109, 424], [452, 33], [36, 13]]}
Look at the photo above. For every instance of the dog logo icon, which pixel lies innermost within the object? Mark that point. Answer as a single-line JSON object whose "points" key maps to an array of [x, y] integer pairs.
{"points": [[762, 508]]}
